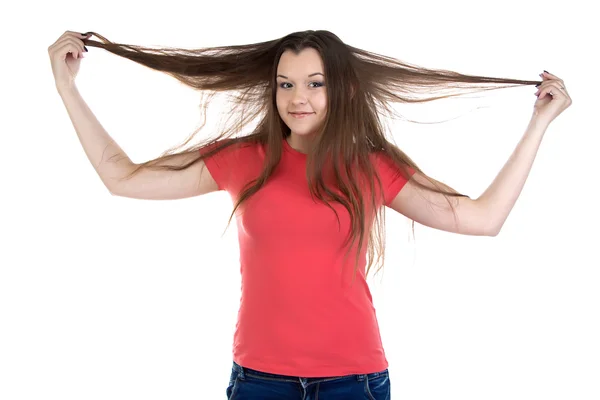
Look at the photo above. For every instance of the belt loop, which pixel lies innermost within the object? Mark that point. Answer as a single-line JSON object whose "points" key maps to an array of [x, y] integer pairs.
{"points": [[360, 377], [241, 372]]}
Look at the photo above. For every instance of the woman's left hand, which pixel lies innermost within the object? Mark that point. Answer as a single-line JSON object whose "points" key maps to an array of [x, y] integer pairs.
{"points": [[549, 106]]}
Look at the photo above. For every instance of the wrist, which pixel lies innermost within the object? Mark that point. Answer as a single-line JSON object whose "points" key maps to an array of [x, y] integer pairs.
{"points": [[66, 88], [539, 120]]}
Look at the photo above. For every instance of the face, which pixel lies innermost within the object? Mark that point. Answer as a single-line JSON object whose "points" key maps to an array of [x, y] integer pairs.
{"points": [[301, 88]]}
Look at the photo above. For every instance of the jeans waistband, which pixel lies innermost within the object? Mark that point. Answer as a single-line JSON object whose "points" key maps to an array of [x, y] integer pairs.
{"points": [[242, 371]]}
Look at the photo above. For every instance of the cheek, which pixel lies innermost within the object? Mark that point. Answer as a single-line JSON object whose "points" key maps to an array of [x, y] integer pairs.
{"points": [[322, 104], [282, 98], [280, 103]]}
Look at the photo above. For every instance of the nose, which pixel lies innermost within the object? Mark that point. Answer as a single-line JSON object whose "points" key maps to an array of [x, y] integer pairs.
{"points": [[298, 97]]}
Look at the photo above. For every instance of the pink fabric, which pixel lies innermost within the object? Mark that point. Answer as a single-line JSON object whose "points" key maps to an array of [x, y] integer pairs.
{"points": [[298, 314]]}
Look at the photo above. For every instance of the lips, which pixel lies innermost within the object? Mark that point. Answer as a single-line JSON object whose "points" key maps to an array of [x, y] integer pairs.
{"points": [[301, 115]]}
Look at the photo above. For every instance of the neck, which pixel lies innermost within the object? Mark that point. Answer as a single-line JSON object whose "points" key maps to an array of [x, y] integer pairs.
{"points": [[300, 143]]}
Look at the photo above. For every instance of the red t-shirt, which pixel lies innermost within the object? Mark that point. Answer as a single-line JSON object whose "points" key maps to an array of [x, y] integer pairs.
{"points": [[299, 314]]}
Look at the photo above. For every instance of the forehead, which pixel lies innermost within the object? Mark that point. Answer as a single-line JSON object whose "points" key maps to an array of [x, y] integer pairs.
{"points": [[301, 64]]}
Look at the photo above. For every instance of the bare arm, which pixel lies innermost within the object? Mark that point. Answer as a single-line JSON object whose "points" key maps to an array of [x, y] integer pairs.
{"points": [[484, 215], [147, 184], [502, 194]]}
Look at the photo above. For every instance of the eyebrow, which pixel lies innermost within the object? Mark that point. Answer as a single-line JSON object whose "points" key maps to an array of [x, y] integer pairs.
{"points": [[316, 73]]}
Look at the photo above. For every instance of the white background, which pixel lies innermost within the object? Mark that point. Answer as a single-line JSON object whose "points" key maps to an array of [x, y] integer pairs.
{"points": [[104, 297]]}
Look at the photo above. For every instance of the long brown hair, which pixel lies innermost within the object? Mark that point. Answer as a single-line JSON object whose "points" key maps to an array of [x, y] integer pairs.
{"points": [[361, 86]]}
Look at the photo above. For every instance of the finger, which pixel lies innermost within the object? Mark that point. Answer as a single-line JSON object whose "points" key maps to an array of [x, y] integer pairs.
{"points": [[554, 83], [76, 42], [552, 88], [76, 34], [67, 39], [551, 76], [69, 34], [64, 50], [544, 79], [546, 84]]}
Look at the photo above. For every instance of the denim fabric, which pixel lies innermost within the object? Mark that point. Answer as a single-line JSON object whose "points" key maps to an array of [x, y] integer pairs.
{"points": [[249, 384]]}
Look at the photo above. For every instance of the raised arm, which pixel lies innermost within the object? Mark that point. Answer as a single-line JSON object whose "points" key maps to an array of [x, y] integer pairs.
{"points": [[147, 184]]}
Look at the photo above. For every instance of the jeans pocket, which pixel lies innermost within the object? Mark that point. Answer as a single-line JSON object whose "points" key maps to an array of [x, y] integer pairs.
{"points": [[379, 388], [232, 382]]}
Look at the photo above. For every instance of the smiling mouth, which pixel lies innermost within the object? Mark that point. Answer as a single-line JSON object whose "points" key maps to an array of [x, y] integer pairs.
{"points": [[300, 115]]}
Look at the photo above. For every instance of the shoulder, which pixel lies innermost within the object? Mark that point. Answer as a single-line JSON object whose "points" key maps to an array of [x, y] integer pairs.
{"points": [[384, 163]]}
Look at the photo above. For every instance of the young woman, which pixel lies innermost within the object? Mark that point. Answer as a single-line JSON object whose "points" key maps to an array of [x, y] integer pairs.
{"points": [[309, 183]]}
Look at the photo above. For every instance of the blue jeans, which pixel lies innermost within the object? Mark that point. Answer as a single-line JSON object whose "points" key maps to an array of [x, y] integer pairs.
{"points": [[250, 384]]}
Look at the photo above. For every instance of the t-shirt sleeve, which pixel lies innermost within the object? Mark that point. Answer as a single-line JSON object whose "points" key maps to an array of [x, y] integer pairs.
{"points": [[391, 177], [221, 164]]}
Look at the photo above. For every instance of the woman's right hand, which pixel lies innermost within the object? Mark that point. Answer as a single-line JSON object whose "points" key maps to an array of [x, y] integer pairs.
{"points": [[65, 57]]}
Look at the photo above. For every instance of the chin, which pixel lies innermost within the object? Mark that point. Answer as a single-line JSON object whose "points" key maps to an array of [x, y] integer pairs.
{"points": [[304, 132]]}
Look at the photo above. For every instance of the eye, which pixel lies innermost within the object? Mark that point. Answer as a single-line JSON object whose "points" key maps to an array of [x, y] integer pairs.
{"points": [[319, 84]]}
